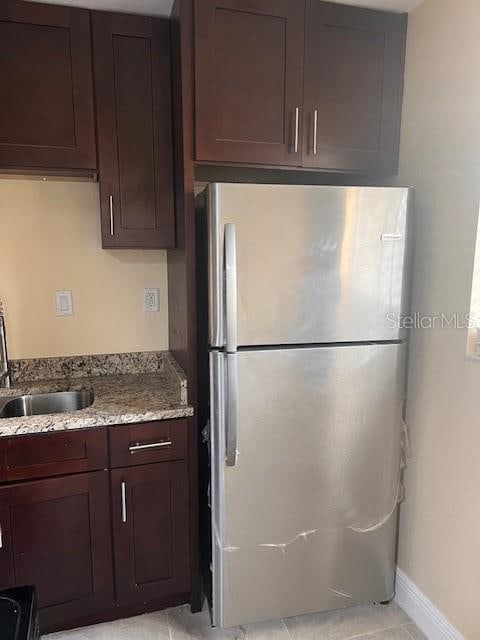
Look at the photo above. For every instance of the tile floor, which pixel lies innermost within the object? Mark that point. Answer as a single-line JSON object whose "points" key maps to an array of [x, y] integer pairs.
{"points": [[368, 623]]}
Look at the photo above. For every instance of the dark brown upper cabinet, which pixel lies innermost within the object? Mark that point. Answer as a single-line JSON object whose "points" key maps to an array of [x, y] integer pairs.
{"points": [[249, 77], [134, 130], [353, 87], [46, 95], [310, 84]]}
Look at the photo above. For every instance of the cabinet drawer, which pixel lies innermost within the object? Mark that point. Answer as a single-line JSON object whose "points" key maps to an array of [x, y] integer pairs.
{"points": [[137, 444], [52, 454]]}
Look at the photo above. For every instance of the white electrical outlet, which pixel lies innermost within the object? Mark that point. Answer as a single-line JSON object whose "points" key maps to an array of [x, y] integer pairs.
{"points": [[64, 303], [151, 300]]}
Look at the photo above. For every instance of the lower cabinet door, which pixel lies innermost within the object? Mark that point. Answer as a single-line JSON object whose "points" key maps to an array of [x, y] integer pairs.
{"points": [[150, 530], [56, 536]]}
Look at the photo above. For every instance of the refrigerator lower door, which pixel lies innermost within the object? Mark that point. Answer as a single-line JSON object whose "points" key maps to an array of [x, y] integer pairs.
{"points": [[306, 519]]}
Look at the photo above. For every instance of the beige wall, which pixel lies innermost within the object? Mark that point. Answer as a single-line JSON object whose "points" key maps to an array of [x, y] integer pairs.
{"points": [[49, 241], [440, 156]]}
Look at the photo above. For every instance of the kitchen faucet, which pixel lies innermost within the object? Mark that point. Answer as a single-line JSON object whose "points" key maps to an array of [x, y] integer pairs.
{"points": [[4, 368]]}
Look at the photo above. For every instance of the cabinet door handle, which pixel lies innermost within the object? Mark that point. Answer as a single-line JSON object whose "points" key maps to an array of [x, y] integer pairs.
{"points": [[297, 126], [1, 537], [154, 445], [112, 221], [124, 501], [315, 131]]}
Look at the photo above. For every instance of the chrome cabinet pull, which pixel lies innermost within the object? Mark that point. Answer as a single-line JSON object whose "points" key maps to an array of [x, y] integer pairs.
{"points": [[124, 501], [1, 537], [297, 126], [315, 131], [154, 445], [112, 222]]}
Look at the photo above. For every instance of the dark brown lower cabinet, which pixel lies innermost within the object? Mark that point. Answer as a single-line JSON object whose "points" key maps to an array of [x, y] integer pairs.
{"points": [[150, 531], [97, 543], [55, 534]]}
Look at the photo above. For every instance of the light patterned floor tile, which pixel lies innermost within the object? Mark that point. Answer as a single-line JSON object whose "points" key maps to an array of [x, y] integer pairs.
{"points": [[398, 614], [415, 632], [152, 626], [365, 623], [398, 633], [344, 623], [185, 626]]}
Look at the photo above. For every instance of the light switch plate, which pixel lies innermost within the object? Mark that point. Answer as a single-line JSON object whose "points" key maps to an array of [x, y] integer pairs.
{"points": [[151, 300], [64, 303]]}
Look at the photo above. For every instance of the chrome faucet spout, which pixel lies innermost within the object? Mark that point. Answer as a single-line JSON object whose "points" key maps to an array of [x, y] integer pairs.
{"points": [[5, 369], [5, 380]]}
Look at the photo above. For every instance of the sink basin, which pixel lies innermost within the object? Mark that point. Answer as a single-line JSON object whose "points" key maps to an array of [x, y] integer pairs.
{"points": [[45, 403]]}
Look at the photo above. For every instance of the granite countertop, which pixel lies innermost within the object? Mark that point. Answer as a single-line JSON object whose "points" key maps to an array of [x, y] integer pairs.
{"points": [[128, 388]]}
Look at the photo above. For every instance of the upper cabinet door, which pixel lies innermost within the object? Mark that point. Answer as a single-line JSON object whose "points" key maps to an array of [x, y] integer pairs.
{"points": [[354, 60], [134, 125], [46, 95], [248, 69]]}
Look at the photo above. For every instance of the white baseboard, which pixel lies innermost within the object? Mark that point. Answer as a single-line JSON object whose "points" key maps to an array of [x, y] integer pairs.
{"points": [[425, 615]]}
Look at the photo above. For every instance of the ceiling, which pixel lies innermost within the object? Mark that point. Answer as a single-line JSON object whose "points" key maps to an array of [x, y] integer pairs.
{"points": [[163, 7]]}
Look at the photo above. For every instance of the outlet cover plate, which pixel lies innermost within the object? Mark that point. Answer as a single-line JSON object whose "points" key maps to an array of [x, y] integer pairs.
{"points": [[151, 300], [64, 303]]}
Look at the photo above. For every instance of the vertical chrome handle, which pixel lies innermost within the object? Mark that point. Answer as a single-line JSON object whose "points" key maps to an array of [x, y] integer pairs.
{"points": [[297, 126], [231, 410], [231, 342], [230, 288], [124, 501], [315, 131], [1, 537], [112, 222]]}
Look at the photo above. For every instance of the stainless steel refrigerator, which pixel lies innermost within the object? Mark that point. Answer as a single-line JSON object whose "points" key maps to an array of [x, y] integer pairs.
{"points": [[307, 366]]}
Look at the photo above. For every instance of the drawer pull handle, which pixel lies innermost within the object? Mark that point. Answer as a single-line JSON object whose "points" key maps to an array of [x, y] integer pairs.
{"points": [[124, 501], [154, 445]]}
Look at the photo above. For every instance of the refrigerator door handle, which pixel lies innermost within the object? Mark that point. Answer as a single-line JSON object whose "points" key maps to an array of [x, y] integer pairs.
{"points": [[231, 288], [231, 410]]}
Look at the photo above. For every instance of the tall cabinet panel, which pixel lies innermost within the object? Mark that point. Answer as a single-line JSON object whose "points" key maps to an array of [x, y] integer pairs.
{"points": [[353, 87], [46, 94], [134, 124], [249, 80]]}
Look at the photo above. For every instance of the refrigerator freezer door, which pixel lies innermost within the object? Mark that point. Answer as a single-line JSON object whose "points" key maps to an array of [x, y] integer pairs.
{"points": [[314, 264], [305, 521]]}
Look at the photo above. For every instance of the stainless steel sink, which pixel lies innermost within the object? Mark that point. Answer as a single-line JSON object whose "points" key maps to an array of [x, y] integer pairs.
{"points": [[45, 403]]}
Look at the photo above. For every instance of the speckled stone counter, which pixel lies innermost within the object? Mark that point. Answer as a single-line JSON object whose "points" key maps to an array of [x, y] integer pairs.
{"points": [[127, 387]]}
